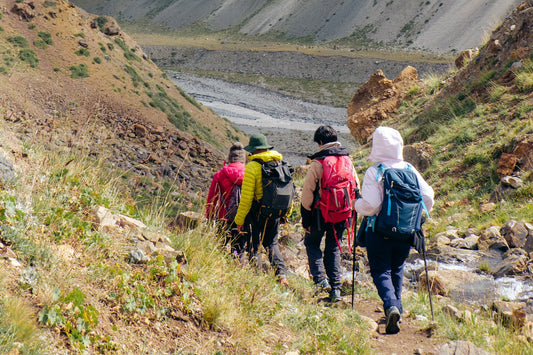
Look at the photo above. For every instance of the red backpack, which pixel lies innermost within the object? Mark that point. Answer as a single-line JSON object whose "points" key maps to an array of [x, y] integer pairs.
{"points": [[338, 188], [337, 192]]}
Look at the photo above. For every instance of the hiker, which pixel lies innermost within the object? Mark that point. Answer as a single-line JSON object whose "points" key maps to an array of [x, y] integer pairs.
{"points": [[325, 267], [264, 229], [386, 255], [224, 196]]}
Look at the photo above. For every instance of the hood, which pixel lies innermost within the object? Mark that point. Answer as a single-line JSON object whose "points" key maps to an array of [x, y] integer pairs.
{"points": [[234, 172], [387, 146], [266, 156], [333, 148]]}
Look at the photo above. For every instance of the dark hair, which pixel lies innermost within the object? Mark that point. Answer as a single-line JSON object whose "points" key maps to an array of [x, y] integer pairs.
{"points": [[325, 134]]}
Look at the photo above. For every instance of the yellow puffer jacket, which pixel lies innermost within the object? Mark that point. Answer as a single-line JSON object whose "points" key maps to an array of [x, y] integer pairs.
{"points": [[252, 184]]}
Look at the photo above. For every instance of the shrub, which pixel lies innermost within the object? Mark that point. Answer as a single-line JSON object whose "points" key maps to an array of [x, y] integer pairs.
{"points": [[100, 22], [46, 37], [28, 55], [79, 71], [3, 70], [128, 53], [18, 41], [83, 51], [97, 60]]}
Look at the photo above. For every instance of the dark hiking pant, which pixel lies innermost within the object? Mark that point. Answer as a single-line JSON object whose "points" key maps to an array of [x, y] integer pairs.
{"points": [[386, 258], [266, 229], [327, 263]]}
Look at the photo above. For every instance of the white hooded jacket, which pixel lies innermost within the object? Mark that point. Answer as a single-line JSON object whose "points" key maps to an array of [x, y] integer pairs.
{"points": [[387, 148]]}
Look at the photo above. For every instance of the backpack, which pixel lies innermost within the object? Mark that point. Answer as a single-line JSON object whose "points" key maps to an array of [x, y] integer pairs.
{"points": [[401, 211], [278, 188], [231, 204], [337, 188]]}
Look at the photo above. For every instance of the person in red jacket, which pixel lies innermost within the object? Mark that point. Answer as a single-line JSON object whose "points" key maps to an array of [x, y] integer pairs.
{"points": [[222, 198]]}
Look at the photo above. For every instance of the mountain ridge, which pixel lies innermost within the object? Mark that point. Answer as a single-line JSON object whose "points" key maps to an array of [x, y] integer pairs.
{"points": [[440, 27]]}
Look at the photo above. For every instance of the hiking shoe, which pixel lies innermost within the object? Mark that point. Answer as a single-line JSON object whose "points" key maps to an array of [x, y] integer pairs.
{"points": [[335, 295], [393, 317], [323, 286]]}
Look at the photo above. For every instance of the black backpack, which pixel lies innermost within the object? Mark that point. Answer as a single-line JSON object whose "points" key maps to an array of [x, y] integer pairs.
{"points": [[402, 207], [232, 203], [278, 188]]}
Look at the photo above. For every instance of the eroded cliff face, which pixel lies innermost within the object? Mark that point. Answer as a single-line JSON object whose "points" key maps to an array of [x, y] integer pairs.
{"points": [[437, 26]]}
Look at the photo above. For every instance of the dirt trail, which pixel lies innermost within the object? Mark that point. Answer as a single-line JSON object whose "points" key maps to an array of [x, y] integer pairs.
{"points": [[410, 340]]}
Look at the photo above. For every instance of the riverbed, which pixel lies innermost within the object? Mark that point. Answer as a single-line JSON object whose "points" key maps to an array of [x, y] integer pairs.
{"points": [[287, 122]]}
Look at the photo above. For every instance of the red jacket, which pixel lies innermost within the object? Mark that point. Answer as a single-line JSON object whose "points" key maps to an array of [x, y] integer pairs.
{"points": [[221, 185]]}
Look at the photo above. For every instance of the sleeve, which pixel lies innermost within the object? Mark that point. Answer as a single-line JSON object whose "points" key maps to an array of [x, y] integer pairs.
{"points": [[314, 174], [371, 194], [212, 198], [248, 191]]}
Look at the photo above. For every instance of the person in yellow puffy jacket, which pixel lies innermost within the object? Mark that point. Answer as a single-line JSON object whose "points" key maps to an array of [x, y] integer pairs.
{"points": [[263, 229]]}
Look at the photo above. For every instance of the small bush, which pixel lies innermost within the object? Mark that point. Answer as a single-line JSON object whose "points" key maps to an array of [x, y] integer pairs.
{"points": [[83, 51], [46, 37], [3, 70], [18, 41], [28, 55], [128, 53], [100, 22], [79, 71], [31, 27], [56, 69], [97, 60], [48, 3], [81, 35]]}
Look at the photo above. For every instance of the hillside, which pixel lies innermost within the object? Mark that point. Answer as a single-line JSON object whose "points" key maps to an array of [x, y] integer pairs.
{"points": [[90, 177], [64, 70], [440, 27]]}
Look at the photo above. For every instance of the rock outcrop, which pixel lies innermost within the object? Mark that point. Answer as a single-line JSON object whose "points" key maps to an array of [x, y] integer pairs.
{"points": [[377, 100]]}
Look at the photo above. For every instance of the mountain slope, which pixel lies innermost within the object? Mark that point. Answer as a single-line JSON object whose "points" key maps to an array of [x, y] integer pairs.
{"points": [[440, 27], [61, 73]]}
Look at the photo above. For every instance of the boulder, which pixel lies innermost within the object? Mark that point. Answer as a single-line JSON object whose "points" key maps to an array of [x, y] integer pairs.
{"points": [[465, 57], [461, 347], [491, 239], [418, 154], [187, 220], [524, 151], [515, 234], [506, 165], [509, 313], [377, 100]]}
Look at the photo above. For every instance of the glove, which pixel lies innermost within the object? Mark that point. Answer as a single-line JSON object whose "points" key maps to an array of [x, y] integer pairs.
{"points": [[306, 217]]}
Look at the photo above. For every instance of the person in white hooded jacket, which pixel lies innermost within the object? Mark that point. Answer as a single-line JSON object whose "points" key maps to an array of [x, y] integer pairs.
{"points": [[386, 257]]}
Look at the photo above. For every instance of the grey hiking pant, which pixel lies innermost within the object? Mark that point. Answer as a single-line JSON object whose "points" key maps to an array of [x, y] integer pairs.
{"points": [[327, 264]]}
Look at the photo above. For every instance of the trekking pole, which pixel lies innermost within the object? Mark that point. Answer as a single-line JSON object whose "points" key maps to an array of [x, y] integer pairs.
{"points": [[427, 278], [353, 256]]}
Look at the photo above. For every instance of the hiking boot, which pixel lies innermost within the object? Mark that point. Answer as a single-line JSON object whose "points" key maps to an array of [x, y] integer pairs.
{"points": [[335, 295], [393, 317]]}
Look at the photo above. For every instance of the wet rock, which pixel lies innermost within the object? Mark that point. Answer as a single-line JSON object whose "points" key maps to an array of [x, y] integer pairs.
{"points": [[515, 233], [512, 265]]}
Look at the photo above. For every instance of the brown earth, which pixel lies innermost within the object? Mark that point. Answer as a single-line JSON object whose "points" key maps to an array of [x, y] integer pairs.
{"points": [[115, 109]]}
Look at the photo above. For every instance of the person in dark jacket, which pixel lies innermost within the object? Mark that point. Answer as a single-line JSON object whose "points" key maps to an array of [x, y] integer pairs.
{"points": [[324, 266]]}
